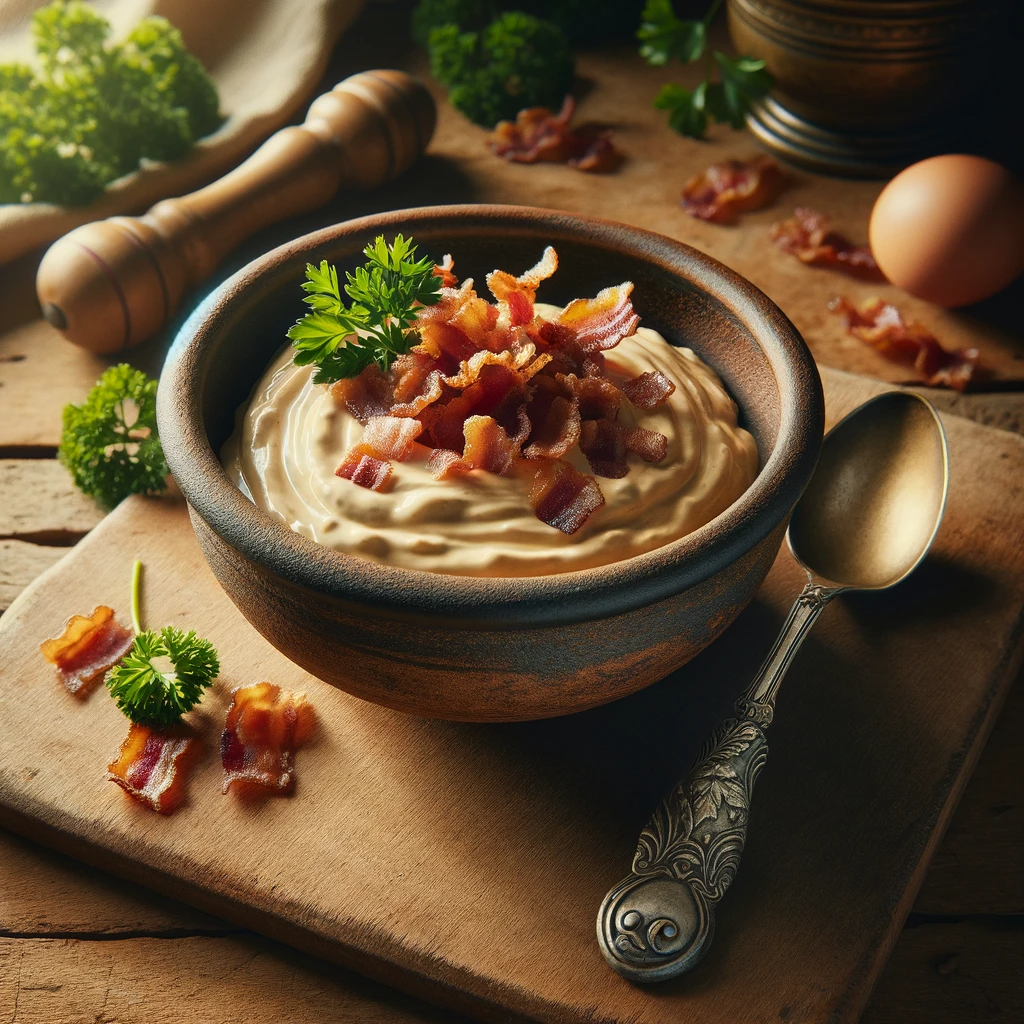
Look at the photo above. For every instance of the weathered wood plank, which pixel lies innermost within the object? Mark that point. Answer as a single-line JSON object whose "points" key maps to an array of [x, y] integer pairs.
{"points": [[951, 973], [233, 980], [979, 868], [39, 503], [20, 564], [45, 894]]}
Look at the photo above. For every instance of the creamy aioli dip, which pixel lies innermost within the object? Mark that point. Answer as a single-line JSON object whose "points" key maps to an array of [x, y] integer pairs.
{"points": [[292, 436]]}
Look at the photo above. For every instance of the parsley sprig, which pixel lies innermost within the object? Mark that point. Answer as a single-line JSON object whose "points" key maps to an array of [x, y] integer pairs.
{"points": [[164, 674], [109, 443], [375, 328], [664, 36]]}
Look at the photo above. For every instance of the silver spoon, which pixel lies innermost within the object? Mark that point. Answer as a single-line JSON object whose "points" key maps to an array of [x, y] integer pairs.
{"points": [[865, 522]]}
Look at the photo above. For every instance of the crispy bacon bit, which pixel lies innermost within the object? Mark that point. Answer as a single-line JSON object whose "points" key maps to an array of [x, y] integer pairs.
{"points": [[562, 496], [151, 766], [391, 437], [491, 385], [809, 238], [537, 135], [601, 322], [602, 443], [724, 190], [444, 464], [488, 446], [265, 725], [554, 420], [648, 444], [88, 647], [364, 470], [369, 394], [446, 271], [648, 390], [882, 326]]}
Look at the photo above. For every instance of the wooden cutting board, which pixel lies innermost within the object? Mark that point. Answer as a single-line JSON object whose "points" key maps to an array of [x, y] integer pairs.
{"points": [[465, 863]]}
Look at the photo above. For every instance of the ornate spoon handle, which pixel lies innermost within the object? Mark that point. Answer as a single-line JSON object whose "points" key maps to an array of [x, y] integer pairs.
{"points": [[660, 919]]}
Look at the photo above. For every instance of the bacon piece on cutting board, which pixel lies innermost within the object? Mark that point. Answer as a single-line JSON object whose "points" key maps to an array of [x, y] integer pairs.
{"points": [[264, 727], [151, 766], [88, 647]]}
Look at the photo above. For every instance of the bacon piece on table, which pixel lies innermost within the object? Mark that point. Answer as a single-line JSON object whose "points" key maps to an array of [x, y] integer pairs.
{"points": [[882, 326], [87, 648], [562, 496], [151, 766], [648, 390], [809, 238], [265, 725], [723, 190], [538, 135]]}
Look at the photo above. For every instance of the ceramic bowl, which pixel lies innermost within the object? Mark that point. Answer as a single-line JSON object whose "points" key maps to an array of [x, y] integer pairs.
{"points": [[511, 648]]}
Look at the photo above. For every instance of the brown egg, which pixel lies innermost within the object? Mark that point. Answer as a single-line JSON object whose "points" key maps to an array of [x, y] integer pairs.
{"points": [[950, 229]]}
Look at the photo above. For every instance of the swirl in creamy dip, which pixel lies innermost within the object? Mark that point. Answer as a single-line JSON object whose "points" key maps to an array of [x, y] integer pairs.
{"points": [[290, 439]]}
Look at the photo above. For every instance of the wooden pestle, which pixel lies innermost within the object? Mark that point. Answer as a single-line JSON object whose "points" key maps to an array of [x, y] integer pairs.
{"points": [[114, 283]]}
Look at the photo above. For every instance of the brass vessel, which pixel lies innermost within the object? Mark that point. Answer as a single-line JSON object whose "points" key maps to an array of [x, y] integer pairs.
{"points": [[865, 87]]}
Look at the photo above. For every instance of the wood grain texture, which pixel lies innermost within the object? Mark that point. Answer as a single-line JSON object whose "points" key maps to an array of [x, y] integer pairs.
{"points": [[979, 867], [221, 980], [948, 972], [446, 856], [41, 504], [265, 58], [21, 563]]}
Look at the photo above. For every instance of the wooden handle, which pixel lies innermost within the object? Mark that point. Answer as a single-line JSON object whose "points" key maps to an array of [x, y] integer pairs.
{"points": [[114, 283]]}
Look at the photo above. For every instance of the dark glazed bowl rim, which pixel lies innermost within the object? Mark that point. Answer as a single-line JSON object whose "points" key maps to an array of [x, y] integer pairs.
{"points": [[505, 602]]}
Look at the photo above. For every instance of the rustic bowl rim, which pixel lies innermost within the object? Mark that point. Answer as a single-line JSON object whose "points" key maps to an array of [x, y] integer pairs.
{"points": [[503, 602]]}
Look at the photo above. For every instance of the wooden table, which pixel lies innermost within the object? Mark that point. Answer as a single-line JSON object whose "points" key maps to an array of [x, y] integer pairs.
{"points": [[78, 945]]}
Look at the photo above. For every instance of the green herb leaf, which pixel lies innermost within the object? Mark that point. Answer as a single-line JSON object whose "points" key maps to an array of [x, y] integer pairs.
{"points": [[665, 36], [743, 81], [94, 109], [687, 110], [109, 443], [492, 73], [386, 293], [159, 694]]}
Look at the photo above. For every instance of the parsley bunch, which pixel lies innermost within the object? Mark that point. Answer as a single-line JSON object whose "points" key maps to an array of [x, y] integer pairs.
{"points": [[164, 674], [90, 110], [385, 295], [109, 443], [494, 71], [743, 80]]}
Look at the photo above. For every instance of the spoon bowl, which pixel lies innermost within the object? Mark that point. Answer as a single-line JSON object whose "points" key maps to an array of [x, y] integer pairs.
{"points": [[874, 504]]}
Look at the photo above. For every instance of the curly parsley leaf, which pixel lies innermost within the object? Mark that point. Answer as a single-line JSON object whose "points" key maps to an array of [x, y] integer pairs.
{"points": [[109, 443], [94, 109], [163, 676], [342, 340]]}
